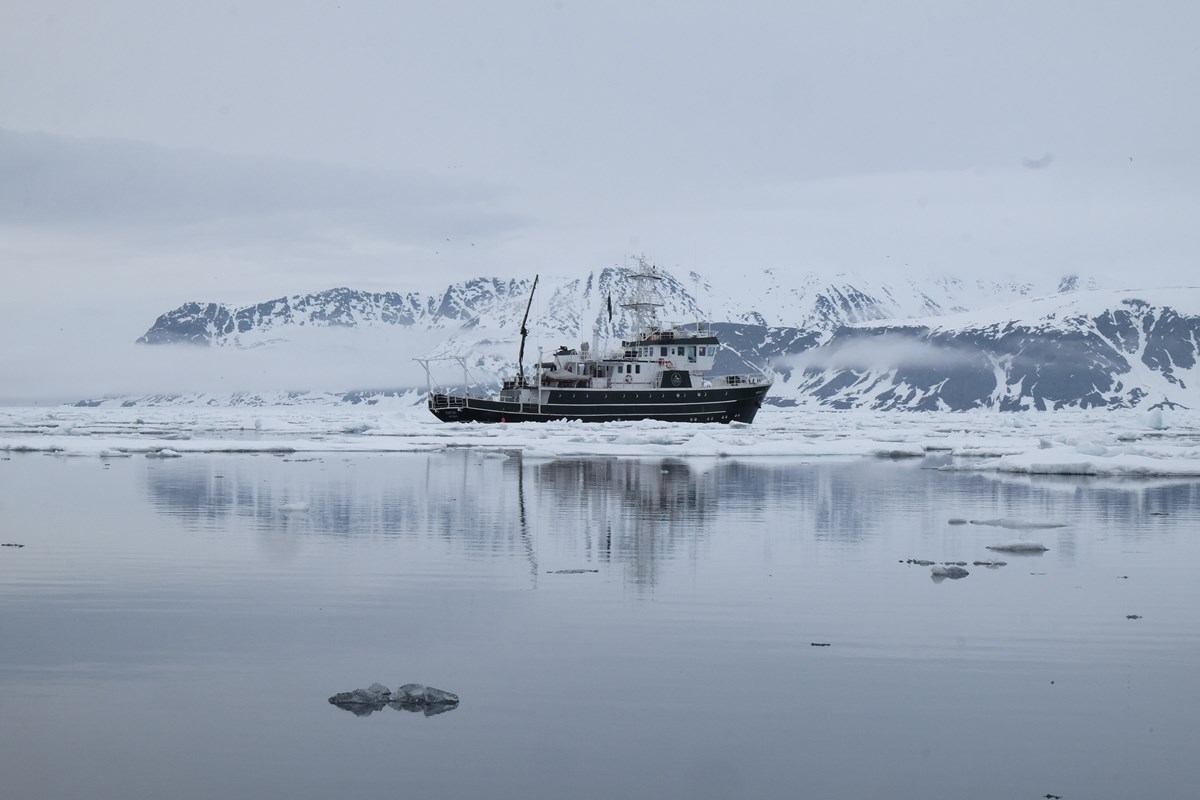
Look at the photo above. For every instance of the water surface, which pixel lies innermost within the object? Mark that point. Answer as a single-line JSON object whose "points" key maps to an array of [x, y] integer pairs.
{"points": [[168, 629]]}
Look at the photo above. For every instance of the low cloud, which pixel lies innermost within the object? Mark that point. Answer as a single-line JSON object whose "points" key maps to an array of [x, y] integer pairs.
{"points": [[328, 360], [880, 353]]}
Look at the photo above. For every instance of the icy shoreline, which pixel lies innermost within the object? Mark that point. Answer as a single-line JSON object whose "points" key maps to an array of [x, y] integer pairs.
{"points": [[1100, 443]]}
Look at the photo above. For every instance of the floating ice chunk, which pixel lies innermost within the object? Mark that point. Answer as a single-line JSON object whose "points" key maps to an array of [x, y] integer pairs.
{"points": [[379, 690], [361, 427], [294, 508], [165, 452], [898, 451], [1019, 547], [409, 697], [363, 702], [356, 697], [1154, 420], [1017, 524], [1091, 449], [111, 453], [939, 571], [701, 445], [1118, 461], [417, 694]]}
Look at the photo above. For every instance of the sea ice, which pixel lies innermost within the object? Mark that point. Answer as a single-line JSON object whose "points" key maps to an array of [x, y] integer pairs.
{"points": [[1017, 524], [420, 695], [1076, 442], [1019, 547], [409, 697]]}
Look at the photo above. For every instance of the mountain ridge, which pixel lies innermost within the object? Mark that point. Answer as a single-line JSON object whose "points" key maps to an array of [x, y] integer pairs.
{"points": [[838, 342]]}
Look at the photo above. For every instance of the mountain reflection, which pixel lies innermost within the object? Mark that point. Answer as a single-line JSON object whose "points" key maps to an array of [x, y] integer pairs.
{"points": [[635, 515]]}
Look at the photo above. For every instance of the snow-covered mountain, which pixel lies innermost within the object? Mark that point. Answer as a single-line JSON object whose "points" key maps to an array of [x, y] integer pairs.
{"points": [[1097, 348], [572, 308], [842, 342]]}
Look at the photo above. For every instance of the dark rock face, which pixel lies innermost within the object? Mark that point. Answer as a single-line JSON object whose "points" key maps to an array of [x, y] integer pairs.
{"points": [[191, 323]]}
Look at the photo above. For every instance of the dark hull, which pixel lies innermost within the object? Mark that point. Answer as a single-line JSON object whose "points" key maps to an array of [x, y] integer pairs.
{"points": [[725, 404]]}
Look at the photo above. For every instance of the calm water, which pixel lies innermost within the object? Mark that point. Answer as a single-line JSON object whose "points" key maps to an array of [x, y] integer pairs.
{"points": [[167, 630]]}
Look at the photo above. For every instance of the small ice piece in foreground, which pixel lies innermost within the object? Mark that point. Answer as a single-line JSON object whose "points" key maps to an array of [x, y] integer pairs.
{"points": [[379, 690], [939, 571], [416, 694], [362, 702], [294, 508], [166, 452], [1019, 547]]}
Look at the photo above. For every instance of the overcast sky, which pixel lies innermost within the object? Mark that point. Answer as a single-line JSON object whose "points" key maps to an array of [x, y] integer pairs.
{"points": [[153, 153]]}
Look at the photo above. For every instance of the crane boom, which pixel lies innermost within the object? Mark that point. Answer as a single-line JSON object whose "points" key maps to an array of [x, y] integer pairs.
{"points": [[524, 333]]}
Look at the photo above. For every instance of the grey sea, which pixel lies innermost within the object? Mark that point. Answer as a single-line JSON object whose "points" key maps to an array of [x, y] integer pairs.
{"points": [[613, 627]]}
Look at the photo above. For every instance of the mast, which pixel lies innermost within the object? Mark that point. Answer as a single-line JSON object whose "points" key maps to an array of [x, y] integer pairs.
{"points": [[524, 333], [644, 307]]}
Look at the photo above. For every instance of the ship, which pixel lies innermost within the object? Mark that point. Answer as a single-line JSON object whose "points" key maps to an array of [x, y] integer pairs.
{"points": [[662, 372]]}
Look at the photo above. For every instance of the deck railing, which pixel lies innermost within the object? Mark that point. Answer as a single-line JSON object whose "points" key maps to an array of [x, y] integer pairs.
{"points": [[740, 380], [446, 401]]}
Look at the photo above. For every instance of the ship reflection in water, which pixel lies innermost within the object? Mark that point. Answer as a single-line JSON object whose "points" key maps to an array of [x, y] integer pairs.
{"points": [[636, 514], [579, 513]]}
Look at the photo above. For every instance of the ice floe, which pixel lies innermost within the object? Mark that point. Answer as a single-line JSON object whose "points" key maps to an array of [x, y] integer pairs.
{"points": [[1017, 524], [1019, 547], [1098, 443], [409, 697]]}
